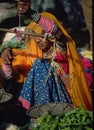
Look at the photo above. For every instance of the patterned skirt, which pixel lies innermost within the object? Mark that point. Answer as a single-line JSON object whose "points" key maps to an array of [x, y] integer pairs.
{"points": [[42, 85]]}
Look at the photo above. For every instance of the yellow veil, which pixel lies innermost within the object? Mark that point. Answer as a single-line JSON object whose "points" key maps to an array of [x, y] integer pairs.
{"points": [[79, 89]]}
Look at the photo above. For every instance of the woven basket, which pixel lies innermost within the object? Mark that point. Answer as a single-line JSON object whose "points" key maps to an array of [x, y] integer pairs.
{"points": [[49, 108]]}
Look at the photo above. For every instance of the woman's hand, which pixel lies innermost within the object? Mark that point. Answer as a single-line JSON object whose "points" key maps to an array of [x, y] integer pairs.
{"points": [[7, 55]]}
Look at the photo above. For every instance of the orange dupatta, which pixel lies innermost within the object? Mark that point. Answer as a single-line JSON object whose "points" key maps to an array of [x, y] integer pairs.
{"points": [[24, 59], [79, 89]]}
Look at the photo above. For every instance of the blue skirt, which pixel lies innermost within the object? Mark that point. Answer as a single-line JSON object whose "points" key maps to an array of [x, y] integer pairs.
{"points": [[42, 85]]}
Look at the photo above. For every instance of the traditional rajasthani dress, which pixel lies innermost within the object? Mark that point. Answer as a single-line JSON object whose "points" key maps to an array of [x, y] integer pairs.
{"points": [[42, 84], [78, 92]]}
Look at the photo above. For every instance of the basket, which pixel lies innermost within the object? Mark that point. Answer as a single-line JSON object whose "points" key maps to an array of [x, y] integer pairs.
{"points": [[45, 109]]}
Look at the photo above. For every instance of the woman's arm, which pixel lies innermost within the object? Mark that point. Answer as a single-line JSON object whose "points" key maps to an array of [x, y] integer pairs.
{"points": [[6, 70]]}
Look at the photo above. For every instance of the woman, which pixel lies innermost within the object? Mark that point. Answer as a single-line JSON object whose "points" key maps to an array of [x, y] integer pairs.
{"points": [[59, 59]]}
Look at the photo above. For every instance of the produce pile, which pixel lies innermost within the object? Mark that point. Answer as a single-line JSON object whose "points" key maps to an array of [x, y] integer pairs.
{"points": [[77, 119]]}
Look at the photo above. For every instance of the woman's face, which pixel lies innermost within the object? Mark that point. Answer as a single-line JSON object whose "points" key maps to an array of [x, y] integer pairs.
{"points": [[42, 43]]}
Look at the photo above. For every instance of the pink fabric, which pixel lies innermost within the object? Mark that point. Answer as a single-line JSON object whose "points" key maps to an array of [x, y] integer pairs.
{"points": [[25, 103], [7, 70], [46, 24], [89, 79], [88, 65], [18, 35]]}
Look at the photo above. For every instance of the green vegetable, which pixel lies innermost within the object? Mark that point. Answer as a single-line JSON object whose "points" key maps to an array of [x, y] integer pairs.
{"points": [[77, 119], [13, 43]]}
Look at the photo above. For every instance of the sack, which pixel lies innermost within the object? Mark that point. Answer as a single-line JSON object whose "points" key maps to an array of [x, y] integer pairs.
{"points": [[66, 80], [4, 96]]}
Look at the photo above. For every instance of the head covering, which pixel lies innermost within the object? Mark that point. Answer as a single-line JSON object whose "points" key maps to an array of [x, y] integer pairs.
{"points": [[48, 25], [33, 26]]}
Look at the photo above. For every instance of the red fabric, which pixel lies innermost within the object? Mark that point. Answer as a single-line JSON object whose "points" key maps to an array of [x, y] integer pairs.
{"points": [[62, 60], [25, 103], [88, 65]]}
